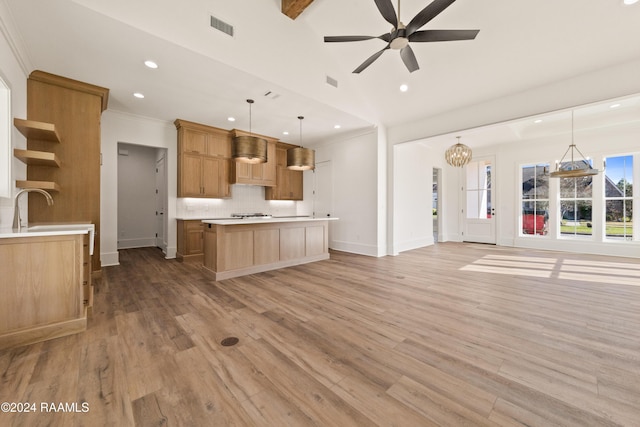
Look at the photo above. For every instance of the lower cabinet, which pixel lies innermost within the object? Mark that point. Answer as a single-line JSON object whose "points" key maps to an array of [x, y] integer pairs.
{"points": [[240, 249], [45, 287], [190, 240]]}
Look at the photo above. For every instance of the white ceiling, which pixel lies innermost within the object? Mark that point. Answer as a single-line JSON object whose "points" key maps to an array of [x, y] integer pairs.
{"points": [[206, 76]]}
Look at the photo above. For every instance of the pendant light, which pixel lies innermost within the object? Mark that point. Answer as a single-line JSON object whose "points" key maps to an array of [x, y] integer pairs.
{"points": [[458, 155], [249, 148], [573, 168], [299, 158]]}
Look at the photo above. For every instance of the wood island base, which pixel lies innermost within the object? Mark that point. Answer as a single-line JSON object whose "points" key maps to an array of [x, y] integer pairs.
{"points": [[238, 249]]}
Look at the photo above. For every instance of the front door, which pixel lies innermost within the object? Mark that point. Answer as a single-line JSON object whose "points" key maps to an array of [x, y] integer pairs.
{"points": [[479, 213]]}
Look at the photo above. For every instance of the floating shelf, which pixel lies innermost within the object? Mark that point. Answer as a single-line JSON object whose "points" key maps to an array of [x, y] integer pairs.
{"points": [[38, 158], [37, 130], [43, 185]]}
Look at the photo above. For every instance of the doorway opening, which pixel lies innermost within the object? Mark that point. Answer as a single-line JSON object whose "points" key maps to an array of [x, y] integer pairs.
{"points": [[142, 197], [435, 208]]}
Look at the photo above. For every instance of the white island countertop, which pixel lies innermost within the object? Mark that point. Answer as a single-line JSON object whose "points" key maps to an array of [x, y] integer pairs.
{"points": [[266, 220]]}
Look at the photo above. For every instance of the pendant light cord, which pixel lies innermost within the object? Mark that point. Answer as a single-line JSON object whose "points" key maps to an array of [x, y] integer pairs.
{"points": [[300, 118]]}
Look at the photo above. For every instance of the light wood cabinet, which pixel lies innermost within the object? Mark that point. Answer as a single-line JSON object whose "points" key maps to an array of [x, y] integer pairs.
{"points": [[63, 118], [203, 160], [288, 182], [263, 174], [45, 288], [238, 249], [190, 240]]}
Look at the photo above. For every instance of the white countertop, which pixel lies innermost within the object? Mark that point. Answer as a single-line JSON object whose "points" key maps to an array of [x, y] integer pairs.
{"points": [[265, 220], [50, 230]]}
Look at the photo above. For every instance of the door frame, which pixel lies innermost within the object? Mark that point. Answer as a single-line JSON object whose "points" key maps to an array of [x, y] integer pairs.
{"points": [[466, 235]]}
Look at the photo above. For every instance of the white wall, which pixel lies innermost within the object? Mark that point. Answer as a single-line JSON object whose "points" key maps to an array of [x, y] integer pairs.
{"points": [[14, 72], [118, 127], [412, 197], [594, 143], [136, 196], [355, 169]]}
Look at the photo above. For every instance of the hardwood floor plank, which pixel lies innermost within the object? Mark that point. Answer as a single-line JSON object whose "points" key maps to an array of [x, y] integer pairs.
{"points": [[452, 334]]}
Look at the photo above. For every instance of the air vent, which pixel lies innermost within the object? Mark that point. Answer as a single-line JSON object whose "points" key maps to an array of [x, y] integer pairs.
{"points": [[331, 81], [220, 25], [272, 95]]}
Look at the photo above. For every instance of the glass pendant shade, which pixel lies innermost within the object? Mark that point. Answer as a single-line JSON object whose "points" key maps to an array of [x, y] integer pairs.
{"points": [[299, 158], [248, 148], [458, 154]]}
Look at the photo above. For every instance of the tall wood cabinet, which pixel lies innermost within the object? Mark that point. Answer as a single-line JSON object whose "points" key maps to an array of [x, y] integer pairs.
{"points": [[203, 160], [72, 109], [288, 182]]}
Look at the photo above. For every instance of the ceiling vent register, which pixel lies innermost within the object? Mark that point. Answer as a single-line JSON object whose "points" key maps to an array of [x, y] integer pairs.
{"points": [[220, 25]]}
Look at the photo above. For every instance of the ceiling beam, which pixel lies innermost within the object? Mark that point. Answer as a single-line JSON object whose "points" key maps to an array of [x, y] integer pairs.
{"points": [[293, 8]]}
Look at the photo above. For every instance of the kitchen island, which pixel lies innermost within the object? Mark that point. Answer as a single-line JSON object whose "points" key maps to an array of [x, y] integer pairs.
{"points": [[237, 247]]}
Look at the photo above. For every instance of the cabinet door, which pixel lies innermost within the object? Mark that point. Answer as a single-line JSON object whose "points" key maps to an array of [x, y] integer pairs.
{"points": [[190, 176], [194, 141], [211, 177], [295, 185], [268, 177], [219, 144], [194, 243]]}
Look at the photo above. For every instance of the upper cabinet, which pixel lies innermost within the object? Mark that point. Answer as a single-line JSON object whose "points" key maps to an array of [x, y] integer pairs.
{"points": [[203, 160], [263, 174], [288, 182]]}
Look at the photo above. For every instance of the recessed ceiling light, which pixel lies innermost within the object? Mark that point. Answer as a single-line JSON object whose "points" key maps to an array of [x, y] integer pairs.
{"points": [[629, 2], [285, 133], [336, 126], [151, 64], [231, 119], [614, 105], [537, 121], [138, 95], [404, 88]]}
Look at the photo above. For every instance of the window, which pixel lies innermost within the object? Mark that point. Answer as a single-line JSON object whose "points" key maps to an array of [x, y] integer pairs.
{"points": [[535, 200], [5, 140], [618, 195], [576, 203], [479, 190]]}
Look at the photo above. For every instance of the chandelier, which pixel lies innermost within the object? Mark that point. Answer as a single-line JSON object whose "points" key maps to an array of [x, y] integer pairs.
{"points": [[458, 154]]}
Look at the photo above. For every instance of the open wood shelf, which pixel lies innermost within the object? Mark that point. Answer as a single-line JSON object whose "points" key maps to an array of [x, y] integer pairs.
{"points": [[44, 185], [37, 130], [38, 158]]}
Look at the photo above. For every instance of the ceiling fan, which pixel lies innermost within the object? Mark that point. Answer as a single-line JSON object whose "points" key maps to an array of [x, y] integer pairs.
{"points": [[401, 35]]}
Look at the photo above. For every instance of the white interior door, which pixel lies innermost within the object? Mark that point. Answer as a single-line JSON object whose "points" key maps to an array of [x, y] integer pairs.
{"points": [[323, 193], [479, 211], [161, 198]]}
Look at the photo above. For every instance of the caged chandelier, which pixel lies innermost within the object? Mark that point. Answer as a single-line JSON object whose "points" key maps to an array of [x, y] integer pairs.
{"points": [[458, 154]]}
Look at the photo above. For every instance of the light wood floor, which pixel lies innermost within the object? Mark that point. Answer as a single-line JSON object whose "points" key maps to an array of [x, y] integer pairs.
{"points": [[450, 335]]}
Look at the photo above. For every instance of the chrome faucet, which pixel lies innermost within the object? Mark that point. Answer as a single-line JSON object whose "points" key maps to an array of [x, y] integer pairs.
{"points": [[17, 223]]}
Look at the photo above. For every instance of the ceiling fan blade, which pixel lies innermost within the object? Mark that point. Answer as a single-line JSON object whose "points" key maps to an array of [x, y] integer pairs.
{"points": [[333, 39], [427, 14], [369, 61], [388, 12], [409, 59], [442, 35]]}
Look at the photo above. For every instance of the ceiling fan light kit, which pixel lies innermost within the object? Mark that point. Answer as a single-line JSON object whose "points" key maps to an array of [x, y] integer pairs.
{"points": [[300, 158], [400, 36], [248, 148], [458, 154]]}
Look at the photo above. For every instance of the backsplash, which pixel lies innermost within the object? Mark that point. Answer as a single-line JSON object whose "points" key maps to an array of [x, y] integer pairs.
{"points": [[245, 199]]}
